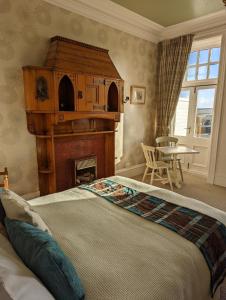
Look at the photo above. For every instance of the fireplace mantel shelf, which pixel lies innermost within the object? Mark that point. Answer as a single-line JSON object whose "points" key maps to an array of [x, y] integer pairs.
{"points": [[76, 115], [74, 134], [82, 133]]}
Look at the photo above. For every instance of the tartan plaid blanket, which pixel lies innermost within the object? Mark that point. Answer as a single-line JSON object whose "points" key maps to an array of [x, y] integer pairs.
{"points": [[207, 233]]}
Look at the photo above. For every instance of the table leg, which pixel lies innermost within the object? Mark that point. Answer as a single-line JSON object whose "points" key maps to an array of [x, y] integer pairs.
{"points": [[175, 178]]}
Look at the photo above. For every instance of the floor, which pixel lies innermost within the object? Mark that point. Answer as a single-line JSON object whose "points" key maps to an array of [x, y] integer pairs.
{"points": [[196, 187]]}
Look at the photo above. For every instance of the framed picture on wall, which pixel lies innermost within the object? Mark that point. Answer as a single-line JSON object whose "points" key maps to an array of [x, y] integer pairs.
{"points": [[137, 94]]}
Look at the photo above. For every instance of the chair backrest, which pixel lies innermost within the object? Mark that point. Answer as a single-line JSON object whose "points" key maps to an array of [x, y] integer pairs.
{"points": [[166, 141], [5, 183], [149, 154]]}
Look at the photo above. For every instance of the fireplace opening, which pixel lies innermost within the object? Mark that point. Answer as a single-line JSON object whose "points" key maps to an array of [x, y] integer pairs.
{"points": [[85, 170]]}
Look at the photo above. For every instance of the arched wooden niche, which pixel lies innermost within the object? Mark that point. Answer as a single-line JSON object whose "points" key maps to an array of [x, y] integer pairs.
{"points": [[66, 94], [113, 98]]}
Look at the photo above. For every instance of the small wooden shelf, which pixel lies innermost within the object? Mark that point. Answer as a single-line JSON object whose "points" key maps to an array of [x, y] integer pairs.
{"points": [[40, 136], [70, 116], [32, 111], [45, 171]]}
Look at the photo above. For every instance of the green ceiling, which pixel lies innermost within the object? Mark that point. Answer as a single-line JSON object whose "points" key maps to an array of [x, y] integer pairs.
{"points": [[170, 12]]}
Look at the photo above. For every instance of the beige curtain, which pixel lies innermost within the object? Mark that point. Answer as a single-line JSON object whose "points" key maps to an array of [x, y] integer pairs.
{"points": [[173, 57]]}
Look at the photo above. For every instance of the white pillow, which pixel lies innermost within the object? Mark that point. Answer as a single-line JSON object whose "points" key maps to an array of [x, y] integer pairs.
{"points": [[17, 282], [18, 209]]}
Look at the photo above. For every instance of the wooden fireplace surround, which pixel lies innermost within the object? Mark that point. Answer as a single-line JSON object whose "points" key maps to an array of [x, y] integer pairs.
{"points": [[72, 104]]}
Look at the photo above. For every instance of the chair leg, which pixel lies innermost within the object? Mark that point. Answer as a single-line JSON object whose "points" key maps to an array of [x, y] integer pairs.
{"points": [[145, 174], [181, 172], [152, 176], [169, 178]]}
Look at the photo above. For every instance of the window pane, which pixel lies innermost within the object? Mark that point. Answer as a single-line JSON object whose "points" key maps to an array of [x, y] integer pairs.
{"points": [[202, 73], [215, 54], [181, 117], [191, 74], [214, 70], [193, 58], [204, 112], [203, 56]]}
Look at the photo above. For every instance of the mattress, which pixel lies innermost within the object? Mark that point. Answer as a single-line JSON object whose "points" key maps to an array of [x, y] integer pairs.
{"points": [[119, 255]]}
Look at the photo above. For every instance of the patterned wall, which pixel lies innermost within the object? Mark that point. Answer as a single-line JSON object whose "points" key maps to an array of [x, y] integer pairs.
{"points": [[25, 28]]}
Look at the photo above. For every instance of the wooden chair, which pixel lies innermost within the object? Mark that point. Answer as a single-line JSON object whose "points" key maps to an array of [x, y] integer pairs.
{"points": [[151, 163], [5, 183], [169, 141]]}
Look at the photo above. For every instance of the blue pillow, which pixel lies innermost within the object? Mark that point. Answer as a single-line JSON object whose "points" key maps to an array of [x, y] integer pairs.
{"points": [[41, 253]]}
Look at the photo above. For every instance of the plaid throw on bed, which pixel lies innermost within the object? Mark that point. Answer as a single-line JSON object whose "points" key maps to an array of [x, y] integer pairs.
{"points": [[208, 234]]}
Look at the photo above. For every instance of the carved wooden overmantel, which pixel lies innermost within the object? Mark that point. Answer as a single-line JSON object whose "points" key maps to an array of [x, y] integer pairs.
{"points": [[72, 104]]}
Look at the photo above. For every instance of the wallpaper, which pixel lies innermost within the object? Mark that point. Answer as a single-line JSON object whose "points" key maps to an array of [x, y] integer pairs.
{"points": [[25, 29]]}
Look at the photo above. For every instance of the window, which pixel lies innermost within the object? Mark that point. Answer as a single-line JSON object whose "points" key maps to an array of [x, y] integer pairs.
{"points": [[194, 112], [203, 64]]}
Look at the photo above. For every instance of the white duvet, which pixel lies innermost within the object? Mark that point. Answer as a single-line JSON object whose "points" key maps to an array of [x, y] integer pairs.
{"points": [[120, 256]]}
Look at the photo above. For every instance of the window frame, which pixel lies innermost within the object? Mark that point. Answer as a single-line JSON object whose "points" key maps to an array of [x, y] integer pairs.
{"points": [[195, 100], [173, 124], [198, 46]]}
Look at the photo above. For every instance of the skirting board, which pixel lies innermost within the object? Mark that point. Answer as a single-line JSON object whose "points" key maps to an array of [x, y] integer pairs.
{"points": [[131, 171], [220, 180], [127, 172], [135, 171], [195, 172], [139, 170]]}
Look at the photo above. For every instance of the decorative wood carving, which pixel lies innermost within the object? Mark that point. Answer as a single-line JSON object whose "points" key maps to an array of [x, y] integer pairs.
{"points": [[42, 88], [76, 98]]}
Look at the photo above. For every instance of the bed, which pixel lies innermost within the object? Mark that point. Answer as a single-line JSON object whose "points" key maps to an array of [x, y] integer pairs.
{"points": [[118, 255], [121, 256]]}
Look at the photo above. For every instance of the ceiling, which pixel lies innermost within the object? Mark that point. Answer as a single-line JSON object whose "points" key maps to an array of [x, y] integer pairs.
{"points": [[170, 12]]}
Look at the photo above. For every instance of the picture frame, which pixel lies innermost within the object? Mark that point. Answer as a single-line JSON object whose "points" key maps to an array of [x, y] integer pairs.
{"points": [[137, 94]]}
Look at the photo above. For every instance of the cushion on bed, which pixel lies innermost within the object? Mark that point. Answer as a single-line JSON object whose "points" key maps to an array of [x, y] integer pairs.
{"points": [[16, 280], [2, 211], [17, 208], [3, 231], [2, 217], [41, 253]]}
